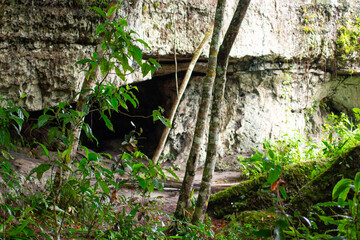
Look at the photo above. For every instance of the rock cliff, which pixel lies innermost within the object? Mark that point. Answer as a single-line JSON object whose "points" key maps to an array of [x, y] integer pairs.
{"points": [[285, 65]]}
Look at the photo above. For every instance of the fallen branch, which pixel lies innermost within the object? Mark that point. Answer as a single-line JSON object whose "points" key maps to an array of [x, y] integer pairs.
{"points": [[183, 86]]}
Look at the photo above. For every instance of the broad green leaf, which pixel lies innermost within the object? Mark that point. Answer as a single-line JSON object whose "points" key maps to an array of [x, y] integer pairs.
{"points": [[274, 174], [357, 182], [104, 66], [340, 187], [108, 123], [92, 156], [123, 22], [257, 156], [104, 187], [137, 54], [111, 11], [114, 103], [39, 170], [100, 29], [43, 119], [271, 154], [142, 183], [343, 194], [145, 69]]}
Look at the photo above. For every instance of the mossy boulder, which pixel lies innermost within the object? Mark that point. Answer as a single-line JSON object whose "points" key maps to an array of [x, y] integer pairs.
{"points": [[320, 188], [252, 195], [247, 224]]}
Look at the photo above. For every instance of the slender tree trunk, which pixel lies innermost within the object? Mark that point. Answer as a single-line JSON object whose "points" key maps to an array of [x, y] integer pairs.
{"points": [[175, 105], [208, 82], [218, 95]]}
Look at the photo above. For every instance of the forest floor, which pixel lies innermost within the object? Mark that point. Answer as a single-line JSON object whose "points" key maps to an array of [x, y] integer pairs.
{"points": [[25, 160]]}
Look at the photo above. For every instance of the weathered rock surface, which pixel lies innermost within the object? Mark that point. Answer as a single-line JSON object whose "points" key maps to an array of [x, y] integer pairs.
{"points": [[284, 63]]}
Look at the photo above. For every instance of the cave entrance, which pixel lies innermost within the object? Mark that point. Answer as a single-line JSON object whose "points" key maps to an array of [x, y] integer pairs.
{"points": [[159, 91]]}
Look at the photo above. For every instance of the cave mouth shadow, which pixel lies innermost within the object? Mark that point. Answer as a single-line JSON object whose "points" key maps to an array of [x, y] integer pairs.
{"points": [[151, 95]]}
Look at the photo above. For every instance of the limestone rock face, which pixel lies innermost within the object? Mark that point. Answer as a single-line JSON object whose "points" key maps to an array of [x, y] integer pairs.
{"points": [[284, 63]]}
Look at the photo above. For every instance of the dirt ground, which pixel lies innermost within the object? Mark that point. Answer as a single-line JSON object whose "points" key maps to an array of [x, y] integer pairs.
{"points": [[25, 160]]}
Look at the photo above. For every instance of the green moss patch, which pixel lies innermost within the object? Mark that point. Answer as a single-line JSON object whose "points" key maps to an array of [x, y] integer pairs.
{"points": [[320, 188], [252, 195]]}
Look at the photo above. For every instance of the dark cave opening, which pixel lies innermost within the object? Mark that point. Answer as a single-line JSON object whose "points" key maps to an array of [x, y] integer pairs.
{"points": [[159, 91]]}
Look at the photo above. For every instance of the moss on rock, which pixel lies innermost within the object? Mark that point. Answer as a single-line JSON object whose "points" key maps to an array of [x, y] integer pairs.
{"points": [[251, 195], [320, 188]]}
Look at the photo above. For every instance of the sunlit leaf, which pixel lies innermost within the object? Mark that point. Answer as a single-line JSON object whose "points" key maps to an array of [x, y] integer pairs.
{"points": [[341, 186], [357, 182]]}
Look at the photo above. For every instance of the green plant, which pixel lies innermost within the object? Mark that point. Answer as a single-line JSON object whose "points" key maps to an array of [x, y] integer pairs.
{"points": [[348, 39], [287, 150], [347, 222], [81, 198], [341, 135]]}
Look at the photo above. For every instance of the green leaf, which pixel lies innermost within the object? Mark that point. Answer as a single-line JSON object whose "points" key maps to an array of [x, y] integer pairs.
{"points": [[274, 174], [341, 186], [111, 11], [39, 170], [145, 69], [173, 174], [129, 98], [100, 29], [104, 187], [104, 66], [46, 151], [99, 11], [343, 195], [137, 54], [357, 182], [123, 22], [271, 154], [88, 131], [43, 119], [114, 103], [143, 43], [82, 61], [283, 192], [142, 183], [108, 123], [20, 228], [92, 156]]}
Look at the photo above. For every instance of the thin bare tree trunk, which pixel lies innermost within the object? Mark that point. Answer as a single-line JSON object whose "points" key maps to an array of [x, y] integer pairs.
{"points": [[174, 107], [218, 95], [208, 82]]}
